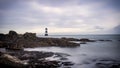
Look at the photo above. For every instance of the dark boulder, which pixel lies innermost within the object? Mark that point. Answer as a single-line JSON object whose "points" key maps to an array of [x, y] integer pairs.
{"points": [[30, 36], [11, 37], [13, 33], [2, 37]]}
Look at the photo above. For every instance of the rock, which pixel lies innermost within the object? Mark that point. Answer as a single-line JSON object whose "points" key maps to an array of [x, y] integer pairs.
{"points": [[11, 40], [104, 40], [25, 55], [11, 61], [1, 44], [29, 36], [44, 64], [86, 40], [2, 37], [27, 60], [58, 42], [13, 33], [15, 41], [70, 39], [67, 63], [12, 36], [32, 59]]}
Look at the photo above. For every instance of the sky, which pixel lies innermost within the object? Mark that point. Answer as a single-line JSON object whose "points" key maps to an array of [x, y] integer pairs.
{"points": [[60, 16]]}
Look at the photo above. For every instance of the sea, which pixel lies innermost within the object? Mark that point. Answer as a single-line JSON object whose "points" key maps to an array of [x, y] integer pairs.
{"points": [[99, 54]]}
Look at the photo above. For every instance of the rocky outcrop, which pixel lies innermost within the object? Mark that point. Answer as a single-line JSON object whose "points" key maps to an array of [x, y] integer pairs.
{"points": [[13, 34], [12, 40], [57, 42], [82, 39]]}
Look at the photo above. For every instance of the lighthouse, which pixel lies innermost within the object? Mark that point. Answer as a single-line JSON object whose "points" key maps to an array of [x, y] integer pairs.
{"points": [[46, 31]]}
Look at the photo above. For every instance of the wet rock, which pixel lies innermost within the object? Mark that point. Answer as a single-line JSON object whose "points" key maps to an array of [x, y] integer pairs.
{"points": [[67, 63], [27, 60], [33, 59], [25, 55], [70, 39], [104, 40], [86, 40], [11, 61], [44, 64]]}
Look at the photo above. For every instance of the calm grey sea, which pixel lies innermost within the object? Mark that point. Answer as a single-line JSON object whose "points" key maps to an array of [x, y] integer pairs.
{"points": [[96, 37]]}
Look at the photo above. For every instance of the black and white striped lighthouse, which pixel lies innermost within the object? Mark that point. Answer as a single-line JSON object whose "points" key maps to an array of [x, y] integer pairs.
{"points": [[46, 31]]}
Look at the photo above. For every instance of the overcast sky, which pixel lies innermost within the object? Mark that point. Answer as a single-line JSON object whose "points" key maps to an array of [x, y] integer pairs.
{"points": [[60, 16]]}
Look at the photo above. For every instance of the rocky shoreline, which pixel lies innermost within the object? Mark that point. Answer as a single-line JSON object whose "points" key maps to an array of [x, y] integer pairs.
{"points": [[18, 58], [33, 59], [13, 40]]}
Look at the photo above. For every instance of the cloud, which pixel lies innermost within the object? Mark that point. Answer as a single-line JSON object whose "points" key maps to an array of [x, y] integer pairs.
{"points": [[115, 4], [117, 29], [60, 16]]}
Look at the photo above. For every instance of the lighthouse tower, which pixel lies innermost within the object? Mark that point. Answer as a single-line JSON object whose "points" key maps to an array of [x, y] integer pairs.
{"points": [[46, 31]]}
